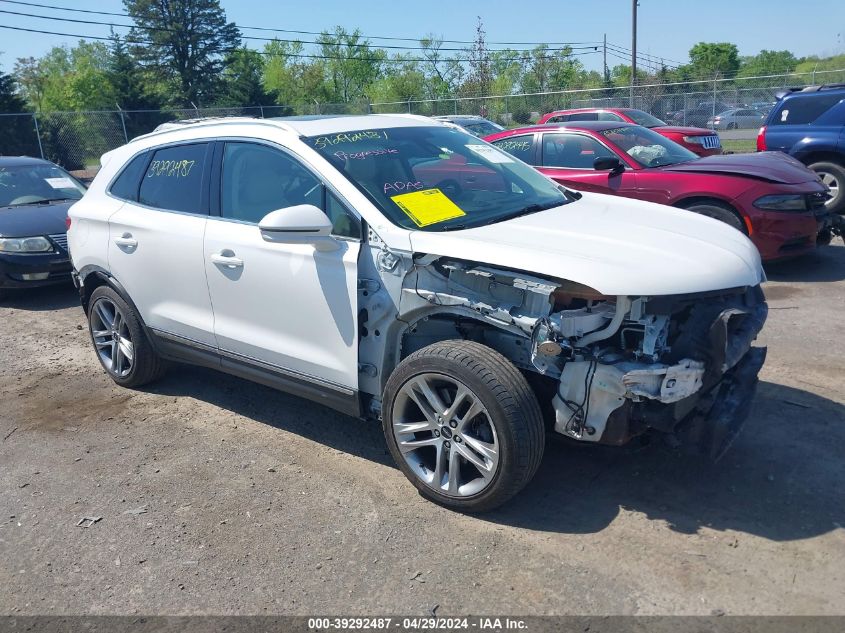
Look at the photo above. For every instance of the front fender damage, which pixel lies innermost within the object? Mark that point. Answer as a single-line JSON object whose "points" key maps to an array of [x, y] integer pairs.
{"points": [[619, 366]]}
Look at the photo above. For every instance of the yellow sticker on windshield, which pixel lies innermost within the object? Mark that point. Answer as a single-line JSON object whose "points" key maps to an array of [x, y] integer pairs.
{"points": [[427, 207]]}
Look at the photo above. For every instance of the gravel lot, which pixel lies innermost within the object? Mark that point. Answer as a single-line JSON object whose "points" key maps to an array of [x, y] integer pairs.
{"points": [[218, 496]]}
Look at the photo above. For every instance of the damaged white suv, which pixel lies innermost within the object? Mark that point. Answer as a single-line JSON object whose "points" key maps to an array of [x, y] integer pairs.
{"points": [[396, 268]]}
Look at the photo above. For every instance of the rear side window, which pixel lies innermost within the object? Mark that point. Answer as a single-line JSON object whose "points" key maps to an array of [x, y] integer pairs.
{"points": [[520, 146], [127, 183], [173, 180], [804, 110], [584, 116]]}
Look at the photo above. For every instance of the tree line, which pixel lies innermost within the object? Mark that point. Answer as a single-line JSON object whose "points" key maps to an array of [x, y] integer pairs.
{"points": [[185, 53]]}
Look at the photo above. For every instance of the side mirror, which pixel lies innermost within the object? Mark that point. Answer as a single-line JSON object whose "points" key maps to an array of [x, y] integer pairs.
{"points": [[609, 163], [300, 224]]}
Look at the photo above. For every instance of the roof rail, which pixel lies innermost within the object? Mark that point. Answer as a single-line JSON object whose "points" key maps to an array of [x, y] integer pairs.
{"points": [[170, 126], [780, 94]]}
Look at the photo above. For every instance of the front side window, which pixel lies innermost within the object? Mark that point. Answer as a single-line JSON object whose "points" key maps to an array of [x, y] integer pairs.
{"points": [[572, 151], [609, 116], [520, 146], [173, 180], [434, 178], [40, 182], [647, 147], [256, 180]]}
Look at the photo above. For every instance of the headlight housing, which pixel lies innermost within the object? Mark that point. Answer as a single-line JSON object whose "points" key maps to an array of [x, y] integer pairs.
{"points": [[695, 140], [25, 245], [790, 202]]}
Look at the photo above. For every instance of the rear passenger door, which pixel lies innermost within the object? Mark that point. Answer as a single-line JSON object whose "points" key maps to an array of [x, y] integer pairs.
{"points": [[156, 239]]}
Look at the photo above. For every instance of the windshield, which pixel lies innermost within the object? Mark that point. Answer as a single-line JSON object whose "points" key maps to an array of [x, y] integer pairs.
{"points": [[438, 178], [482, 128], [648, 148], [644, 118], [30, 184]]}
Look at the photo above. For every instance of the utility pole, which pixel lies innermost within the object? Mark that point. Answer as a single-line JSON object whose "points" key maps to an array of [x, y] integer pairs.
{"points": [[605, 57], [634, 4]]}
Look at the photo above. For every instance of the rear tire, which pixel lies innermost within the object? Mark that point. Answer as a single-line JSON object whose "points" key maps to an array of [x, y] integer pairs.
{"points": [[463, 425], [718, 211], [119, 340], [832, 175]]}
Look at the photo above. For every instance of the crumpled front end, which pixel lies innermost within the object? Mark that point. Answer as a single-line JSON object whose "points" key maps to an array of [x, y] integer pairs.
{"points": [[679, 365]]}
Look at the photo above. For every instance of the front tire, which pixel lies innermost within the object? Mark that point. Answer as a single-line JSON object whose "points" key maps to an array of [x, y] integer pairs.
{"points": [[833, 176], [119, 340], [463, 425], [717, 211]]}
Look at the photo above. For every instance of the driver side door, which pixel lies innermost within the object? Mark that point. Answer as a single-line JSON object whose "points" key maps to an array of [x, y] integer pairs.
{"points": [[568, 157], [288, 309]]}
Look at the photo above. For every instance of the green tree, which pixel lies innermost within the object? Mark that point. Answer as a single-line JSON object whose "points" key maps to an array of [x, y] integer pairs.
{"points": [[132, 86], [708, 59], [480, 79], [768, 63], [351, 64], [243, 79], [185, 42], [17, 134]]}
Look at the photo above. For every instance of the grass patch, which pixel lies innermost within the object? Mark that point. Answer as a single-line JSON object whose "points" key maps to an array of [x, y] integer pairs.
{"points": [[739, 145]]}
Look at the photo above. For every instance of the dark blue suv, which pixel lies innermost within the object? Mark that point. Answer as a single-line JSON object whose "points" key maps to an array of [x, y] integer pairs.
{"points": [[809, 124]]}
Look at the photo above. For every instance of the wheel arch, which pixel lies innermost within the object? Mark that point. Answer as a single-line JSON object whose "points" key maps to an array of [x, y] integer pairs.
{"points": [[686, 203], [93, 277], [816, 156]]}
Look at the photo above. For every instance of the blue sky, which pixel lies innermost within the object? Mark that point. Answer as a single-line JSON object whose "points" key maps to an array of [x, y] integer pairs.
{"points": [[667, 28]]}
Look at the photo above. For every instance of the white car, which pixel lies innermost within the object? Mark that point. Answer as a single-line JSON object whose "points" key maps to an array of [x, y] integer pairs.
{"points": [[396, 268]]}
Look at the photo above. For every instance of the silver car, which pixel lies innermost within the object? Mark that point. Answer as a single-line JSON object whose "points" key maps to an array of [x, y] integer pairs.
{"points": [[735, 119]]}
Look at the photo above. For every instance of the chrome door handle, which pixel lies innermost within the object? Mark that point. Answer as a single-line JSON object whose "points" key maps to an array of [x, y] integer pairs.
{"points": [[126, 240], [229, 261]]}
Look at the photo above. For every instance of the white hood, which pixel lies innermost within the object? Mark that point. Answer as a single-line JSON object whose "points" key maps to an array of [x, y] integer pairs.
{"points": [[616, 245]]}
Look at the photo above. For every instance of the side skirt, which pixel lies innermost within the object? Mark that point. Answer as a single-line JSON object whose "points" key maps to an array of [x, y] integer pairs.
{"points": [[179, 349]]}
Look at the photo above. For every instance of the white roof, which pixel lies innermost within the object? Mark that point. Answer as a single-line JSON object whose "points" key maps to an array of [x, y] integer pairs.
{"points": [[313, 126]]}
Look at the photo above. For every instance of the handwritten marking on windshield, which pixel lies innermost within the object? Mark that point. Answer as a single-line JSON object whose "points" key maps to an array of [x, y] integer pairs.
{"points": [[403, 186], [170, 168], [348, 137], [362, 155]]}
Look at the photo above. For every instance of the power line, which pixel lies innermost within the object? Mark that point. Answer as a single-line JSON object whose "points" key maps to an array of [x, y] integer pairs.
{"points": [[275, 30], [387, 60], [265, 39]]}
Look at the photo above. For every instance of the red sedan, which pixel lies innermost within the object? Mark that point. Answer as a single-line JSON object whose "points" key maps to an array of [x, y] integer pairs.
{"points": [[769, 196], [696, 139]]}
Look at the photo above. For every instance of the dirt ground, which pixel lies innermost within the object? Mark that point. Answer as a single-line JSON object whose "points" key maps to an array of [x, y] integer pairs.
{"points": [[218, 496]]}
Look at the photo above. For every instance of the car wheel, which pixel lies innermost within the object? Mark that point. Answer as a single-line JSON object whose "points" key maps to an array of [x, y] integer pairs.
{"points": [[718, 211], [731, 126], [463, 425], [833, 176], [119, 340]]}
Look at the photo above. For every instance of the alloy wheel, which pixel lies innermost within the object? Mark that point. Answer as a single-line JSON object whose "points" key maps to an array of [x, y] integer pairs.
{"points": [[833, 184], [445, 435], [112, 338]]}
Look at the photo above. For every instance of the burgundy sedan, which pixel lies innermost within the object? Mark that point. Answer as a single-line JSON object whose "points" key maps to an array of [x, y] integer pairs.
{"points": [[696, 139], [769, 196]]}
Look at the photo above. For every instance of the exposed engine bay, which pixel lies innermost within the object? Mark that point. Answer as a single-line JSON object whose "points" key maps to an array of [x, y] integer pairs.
{"points": [[614, 366]]}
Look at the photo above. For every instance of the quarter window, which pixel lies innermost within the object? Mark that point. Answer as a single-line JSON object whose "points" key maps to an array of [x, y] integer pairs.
{"points": [[574, 151], [520, 146], [127, 183], [173, 180]]}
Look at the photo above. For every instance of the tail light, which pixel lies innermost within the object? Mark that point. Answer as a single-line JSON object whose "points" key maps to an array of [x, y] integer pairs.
{"points": [[761, 139], [67, 222]]}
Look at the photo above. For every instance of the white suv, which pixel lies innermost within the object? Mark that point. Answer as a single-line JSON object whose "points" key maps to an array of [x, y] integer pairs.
{"points": [[397, 268]]}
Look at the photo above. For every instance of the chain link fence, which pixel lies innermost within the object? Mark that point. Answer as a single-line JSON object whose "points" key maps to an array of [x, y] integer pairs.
{"points": [[76, 140], [688, 103]]}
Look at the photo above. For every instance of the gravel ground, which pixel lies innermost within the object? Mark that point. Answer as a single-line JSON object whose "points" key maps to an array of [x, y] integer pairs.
{"points": [[218, 496]]}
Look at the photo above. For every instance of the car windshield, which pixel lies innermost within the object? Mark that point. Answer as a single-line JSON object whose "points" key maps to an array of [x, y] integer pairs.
{"points": [[438, 178], [482, 128], [31, 184], [647, 147], [644, 118]]}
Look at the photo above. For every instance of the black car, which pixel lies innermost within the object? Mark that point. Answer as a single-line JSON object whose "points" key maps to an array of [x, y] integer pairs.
{"points": [[34, 198]]}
